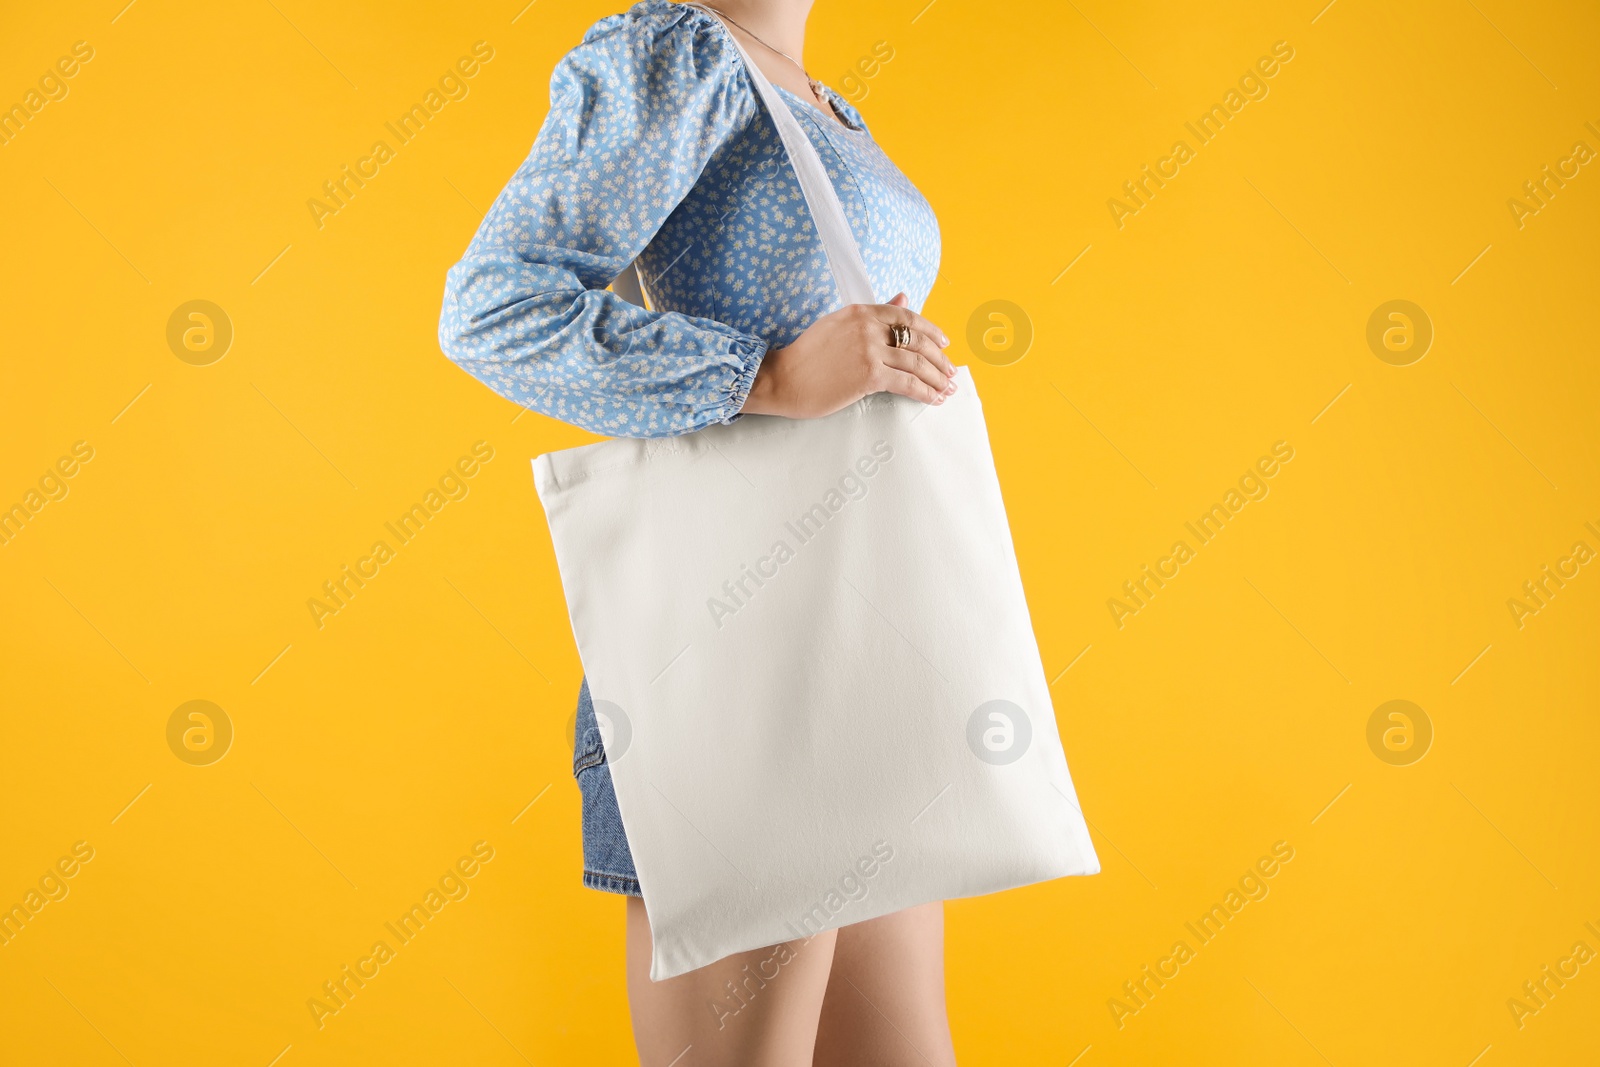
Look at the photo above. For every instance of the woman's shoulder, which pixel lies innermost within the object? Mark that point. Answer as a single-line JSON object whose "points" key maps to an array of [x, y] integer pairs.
{"points": [[675, 34], [659, 71]]}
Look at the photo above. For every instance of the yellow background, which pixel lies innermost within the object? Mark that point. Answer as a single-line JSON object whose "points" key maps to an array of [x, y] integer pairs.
{"points": [[1226, 315]]}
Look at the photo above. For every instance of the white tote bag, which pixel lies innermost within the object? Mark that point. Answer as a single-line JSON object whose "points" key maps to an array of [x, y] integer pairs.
{"points": [[811, 658]]}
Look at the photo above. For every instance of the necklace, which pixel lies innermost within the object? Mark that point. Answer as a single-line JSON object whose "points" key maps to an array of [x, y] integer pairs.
{"points": [[816, 86]]}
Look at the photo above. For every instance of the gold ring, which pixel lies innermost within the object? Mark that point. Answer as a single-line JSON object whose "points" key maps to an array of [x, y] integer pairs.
{"points": [[899, 336]]}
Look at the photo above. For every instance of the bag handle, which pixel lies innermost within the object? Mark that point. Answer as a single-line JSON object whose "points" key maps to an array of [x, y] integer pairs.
{"points": [[844, 255]]}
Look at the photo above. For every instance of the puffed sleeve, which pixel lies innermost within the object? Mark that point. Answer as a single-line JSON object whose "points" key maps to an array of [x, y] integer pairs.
{"points": [[636, 110]]}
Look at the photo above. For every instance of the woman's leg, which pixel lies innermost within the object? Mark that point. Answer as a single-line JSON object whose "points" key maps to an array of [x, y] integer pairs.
{"points": [[885, 1000], [756, 1009]]}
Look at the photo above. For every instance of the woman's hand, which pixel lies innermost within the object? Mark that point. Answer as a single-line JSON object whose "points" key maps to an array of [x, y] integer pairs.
{"points": [[846, 355]]}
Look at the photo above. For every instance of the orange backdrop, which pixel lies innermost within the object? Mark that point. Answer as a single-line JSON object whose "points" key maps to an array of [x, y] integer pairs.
{"points": [[1323, 270]]}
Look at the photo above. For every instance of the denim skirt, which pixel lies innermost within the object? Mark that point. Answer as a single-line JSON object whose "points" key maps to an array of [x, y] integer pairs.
{"points": [[607, 863]]}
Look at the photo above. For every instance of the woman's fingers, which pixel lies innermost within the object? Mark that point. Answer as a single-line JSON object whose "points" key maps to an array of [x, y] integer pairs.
{"points": [[930, 351], [907, 384], [897, 313], [923, 344], [926, 338], [911, 361]]}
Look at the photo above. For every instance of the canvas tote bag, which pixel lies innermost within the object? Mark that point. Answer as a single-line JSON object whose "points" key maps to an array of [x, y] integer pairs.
{"points": [[811, 657]]}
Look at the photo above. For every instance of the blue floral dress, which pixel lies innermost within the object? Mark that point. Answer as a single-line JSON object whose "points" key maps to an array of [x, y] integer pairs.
{"points": [[657, 148]]}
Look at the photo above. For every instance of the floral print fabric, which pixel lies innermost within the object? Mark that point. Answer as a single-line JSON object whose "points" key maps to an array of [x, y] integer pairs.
{"points": [[656, 146]]}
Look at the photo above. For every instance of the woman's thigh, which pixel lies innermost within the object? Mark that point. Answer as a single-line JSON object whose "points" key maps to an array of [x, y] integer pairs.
{"points": [[755, 1009], [884, 1004]]}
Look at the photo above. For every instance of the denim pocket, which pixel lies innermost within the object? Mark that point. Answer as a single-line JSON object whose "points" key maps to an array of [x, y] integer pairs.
{"points": [[588, 748]]}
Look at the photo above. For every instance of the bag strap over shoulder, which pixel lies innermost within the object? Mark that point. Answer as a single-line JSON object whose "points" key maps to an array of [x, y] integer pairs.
{"points": [[844, 255]]}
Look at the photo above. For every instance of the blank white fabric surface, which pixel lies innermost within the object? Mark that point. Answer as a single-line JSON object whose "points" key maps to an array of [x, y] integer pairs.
{"points": [[810, 652], [791, 625]]}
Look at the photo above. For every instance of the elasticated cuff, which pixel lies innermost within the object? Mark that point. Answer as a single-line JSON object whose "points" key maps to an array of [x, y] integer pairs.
{"points": [[749, 351]]}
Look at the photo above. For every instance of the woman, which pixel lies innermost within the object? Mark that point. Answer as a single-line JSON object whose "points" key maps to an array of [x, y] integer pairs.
{"points": [[657, 148]]}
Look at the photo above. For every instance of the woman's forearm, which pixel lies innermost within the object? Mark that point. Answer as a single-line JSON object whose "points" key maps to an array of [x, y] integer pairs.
{"points": [[536, 336]]}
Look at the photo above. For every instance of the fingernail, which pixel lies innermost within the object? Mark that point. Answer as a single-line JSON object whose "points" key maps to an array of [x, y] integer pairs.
{"points": [[944, 342]]}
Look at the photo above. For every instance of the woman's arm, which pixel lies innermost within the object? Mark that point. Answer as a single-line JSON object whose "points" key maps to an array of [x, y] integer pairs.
{"points": [[636, 110]]}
